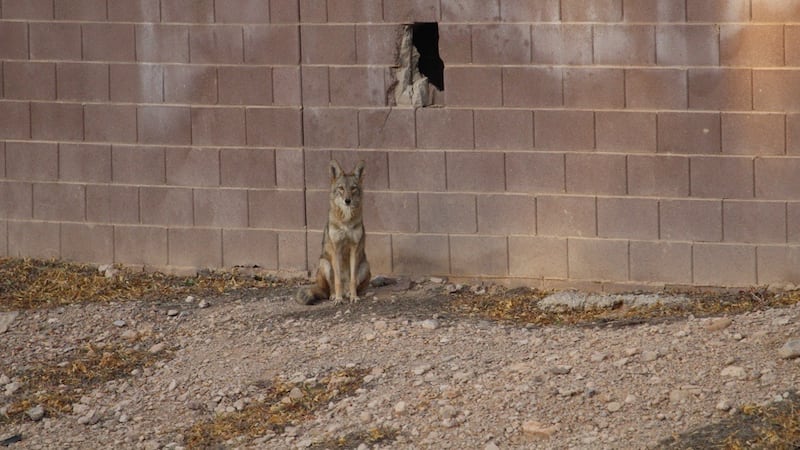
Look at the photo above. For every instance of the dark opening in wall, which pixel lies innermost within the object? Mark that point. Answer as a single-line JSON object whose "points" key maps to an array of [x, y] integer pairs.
{"points": [[425, 36], [419, 66]]}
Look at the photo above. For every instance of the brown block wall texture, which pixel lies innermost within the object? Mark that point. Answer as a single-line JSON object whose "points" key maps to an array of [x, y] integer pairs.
{"points": [[603, 144]]}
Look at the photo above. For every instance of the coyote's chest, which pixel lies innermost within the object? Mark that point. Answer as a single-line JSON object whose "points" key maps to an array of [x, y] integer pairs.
{"points": [[340, 233]]}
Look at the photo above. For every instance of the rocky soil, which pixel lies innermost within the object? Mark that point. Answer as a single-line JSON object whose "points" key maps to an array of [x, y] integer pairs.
{"points": [[434, 378]]}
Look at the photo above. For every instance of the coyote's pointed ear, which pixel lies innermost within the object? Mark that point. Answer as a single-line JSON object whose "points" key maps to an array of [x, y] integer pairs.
{"points": [[336, 169], [359, 170]]}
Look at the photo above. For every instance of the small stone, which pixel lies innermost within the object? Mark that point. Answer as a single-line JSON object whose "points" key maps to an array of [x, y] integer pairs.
{"points": [[130, 335], [6, 319], [448, 412], [453, 288], [621, 362], [679, 395], [421, 369], [157, 347], [295, 393], [631, 351], [724, 405], [172, 312], [734, 372], [119, 323], [614, 406], [35, 413], [648, 356], [491, 446], [560, 370], [430, 324], [719, 323], [12, 387], [598, 357], [538, 429], [381, 280], [400, 407], [203, 304], [90, 418], [365, 417], [791, 349], [172, 385], [436, 280], [4, 380], [189, 299]]}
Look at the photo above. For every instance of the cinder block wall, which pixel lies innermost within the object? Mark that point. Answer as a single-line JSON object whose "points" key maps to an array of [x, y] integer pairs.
{"points": [[604, 144]]}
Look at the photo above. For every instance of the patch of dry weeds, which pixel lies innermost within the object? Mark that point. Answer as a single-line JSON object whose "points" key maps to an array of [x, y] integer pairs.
{"points": [[56, 387], [774, 427], [520, 305], [284, 404], [32, 283]]}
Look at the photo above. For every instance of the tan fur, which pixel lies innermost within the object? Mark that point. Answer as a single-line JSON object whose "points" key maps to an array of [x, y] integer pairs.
{"points": [[343, 262]]}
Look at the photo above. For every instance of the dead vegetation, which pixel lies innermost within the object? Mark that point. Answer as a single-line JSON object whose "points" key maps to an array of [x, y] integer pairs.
{"points": [[284, 404], [775, 427], [520, 305], [31, 283], [55, 387]]}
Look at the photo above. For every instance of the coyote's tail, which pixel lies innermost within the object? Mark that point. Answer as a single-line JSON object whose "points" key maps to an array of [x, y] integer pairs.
{"points": [[310, 295]]}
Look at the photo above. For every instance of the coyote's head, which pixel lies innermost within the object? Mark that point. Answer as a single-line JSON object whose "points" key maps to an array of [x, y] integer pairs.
{"points": [[346, 190]]}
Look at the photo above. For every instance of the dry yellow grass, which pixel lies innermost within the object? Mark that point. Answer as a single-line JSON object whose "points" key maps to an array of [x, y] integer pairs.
{"points": [[31, 283], [277, 411], [56, 387], [520, 306]]}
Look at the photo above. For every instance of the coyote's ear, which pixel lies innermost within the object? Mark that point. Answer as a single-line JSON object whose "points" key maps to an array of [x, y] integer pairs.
{"points": [[336, 169], [359, 170]]}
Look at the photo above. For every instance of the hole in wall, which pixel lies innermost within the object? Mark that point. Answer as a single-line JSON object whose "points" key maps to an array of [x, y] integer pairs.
{"points": [[419, 73]]}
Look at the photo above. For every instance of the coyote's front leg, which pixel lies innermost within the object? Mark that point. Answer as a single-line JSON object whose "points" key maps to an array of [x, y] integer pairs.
{"points": [[353, 273], [336, 262]]}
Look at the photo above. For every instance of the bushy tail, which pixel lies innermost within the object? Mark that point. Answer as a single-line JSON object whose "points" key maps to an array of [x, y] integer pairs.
{"points": [[310, 295]]}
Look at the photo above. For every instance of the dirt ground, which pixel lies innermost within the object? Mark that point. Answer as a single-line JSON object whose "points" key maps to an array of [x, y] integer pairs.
{"points": [[420, 364]]}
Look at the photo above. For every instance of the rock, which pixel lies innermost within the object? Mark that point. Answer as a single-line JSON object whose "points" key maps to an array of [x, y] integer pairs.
{"points": [[648, 356], [172, 312], [90, 418], [130, 335], [614, 406], [12, 387], [119, 323], [400, 407], [679, 395], [598, 357], [734, 372], [6, 319], [538, 429], [430, 324], [719, 323], [157, 347], [4, 380], [295, 393], [723, 405], [791, 349], [203, 304], [35, 413], [453, 288], [381, 280], [421, 369], [436, 280], [365, 417], [189, 299], [560, 370], [491, 446]]}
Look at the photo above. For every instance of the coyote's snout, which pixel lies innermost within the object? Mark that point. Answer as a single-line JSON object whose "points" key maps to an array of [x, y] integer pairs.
{"points": [[343, 261]]}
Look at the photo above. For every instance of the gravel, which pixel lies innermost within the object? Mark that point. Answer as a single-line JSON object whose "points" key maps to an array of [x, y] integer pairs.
{"points": [[437, 378]]}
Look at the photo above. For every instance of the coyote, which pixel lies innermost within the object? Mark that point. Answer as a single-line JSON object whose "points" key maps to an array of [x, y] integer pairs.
{"points": [[343, 260]]}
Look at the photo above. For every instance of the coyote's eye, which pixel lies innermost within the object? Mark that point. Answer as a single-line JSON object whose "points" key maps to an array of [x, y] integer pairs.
{"points": [[354, 190], [340, 189]]}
